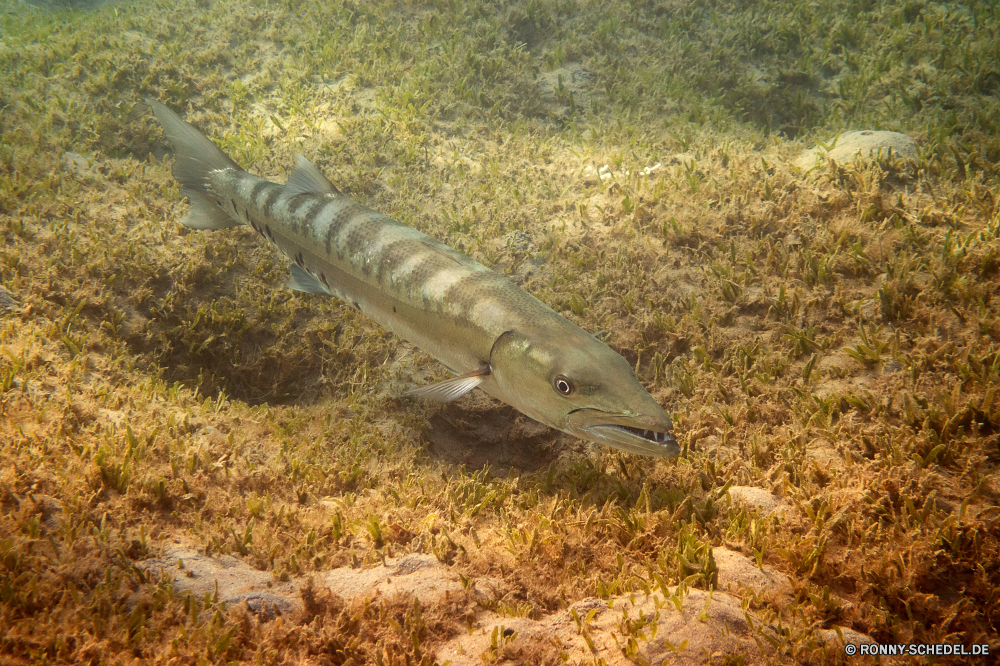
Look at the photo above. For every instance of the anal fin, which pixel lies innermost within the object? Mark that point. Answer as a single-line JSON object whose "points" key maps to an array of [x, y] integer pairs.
{"points": [[300, 280], [454, 388], [204, 214]]}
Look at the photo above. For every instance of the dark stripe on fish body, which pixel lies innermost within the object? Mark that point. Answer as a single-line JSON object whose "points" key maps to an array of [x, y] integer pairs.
{"points": [[310, 218], [364, 231], [258, 188], [426, 270], [393, 255], [399, 251], [347, 211], [267, 189], [297, 201], [467, 292], [272, 198]]}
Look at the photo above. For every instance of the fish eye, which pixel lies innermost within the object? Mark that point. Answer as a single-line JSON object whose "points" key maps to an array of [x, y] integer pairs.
{"points": [[563, 385]]}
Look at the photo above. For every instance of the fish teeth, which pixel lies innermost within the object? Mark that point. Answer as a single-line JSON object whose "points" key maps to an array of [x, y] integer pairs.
{"points": [[652, 435]]}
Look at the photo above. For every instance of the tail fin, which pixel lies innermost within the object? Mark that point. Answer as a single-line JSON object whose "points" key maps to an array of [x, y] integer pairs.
{"points": [[195, 157]]}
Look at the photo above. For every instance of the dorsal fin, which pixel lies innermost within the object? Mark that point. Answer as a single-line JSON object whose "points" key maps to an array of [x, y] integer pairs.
{"points": [[307, 179]]}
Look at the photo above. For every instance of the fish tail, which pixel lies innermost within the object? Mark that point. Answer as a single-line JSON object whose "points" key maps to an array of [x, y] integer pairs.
{"points": [[196, 157]]}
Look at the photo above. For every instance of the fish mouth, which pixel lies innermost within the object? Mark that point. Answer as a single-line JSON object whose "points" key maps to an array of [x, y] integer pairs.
{"points": [[617, 430], [660, 443], [649, 435]]}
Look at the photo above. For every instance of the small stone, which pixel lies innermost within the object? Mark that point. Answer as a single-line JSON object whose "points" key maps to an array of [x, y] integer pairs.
{"points": [[757, 497], [78, 165], [518, 241], [892, 367], [265, 606], [864, 144]]}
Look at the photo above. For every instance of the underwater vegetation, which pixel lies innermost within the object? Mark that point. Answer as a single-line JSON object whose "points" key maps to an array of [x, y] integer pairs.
{"points": [[826, 337]]}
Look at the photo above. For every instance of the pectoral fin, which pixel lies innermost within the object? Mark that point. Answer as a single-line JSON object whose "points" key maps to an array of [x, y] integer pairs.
{"points": [[454, 388]]}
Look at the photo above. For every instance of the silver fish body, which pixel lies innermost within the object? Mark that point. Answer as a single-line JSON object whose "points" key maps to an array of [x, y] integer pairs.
{"points": [[491, 333]]}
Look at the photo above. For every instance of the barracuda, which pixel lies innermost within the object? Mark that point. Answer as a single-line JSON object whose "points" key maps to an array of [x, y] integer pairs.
{"points": [[492, 334]]}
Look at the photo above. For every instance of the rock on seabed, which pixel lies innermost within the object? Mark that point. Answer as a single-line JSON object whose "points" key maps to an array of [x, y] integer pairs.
{"points": [[680, 629], [865, 144]]}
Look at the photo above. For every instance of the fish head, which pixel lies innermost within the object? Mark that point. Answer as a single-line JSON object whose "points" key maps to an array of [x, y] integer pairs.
{"points": [[577, 384]]}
